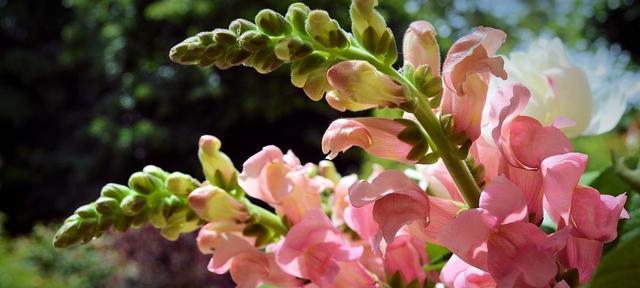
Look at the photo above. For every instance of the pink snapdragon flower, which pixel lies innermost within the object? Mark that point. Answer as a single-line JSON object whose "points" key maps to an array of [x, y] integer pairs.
{"points": [[496, 239], [420, 46], [281, 181], [396, 200], [459, 274], [466, 72], [406, 255], [359, 85], [248, 266], [314, 249], [377, 136]]}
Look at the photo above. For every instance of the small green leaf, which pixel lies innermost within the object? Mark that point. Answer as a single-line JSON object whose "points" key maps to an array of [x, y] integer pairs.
{"points": [[620, 267]]}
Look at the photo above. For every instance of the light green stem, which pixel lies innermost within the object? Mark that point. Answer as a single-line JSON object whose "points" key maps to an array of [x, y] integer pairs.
{"points": [[265, 217]]}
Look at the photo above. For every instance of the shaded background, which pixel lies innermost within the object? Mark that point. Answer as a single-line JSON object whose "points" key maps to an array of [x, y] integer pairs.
{"points": [[88, 95]]}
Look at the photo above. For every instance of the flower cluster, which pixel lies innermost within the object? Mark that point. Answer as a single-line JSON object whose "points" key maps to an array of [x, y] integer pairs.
{"points": [[498, 192]]}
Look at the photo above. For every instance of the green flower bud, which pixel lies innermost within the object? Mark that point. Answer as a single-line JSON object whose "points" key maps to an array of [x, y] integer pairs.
{"points": [[272, 23], [240, 26], [172, 204], [106, 206], [297, 15], [325, 30], [144, 183], [292, 49], [156, 171], [206, 38], [328, 170], [115, 191], [189, 51], [363, 16], [427, 83], [87, 211], [253, 41], [67, 235], [181, 184], [133, 204], [217, 167], [224, 37], [122, 223]]}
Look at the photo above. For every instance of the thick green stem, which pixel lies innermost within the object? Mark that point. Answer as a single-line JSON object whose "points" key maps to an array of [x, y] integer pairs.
{"points": [[265, 217], [422, 110]]}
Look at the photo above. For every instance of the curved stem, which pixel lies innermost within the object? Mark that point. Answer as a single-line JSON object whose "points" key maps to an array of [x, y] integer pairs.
{"points": [[422, 110]]}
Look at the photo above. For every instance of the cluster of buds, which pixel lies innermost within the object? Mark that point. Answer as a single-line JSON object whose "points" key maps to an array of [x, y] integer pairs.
{"points": [[153, 195]]}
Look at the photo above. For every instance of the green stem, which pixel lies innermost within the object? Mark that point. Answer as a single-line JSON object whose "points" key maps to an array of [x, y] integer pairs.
{"points": [[265, 217], [422, 110]]}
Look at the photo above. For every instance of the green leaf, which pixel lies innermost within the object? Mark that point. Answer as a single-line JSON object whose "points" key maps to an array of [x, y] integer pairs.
{"points": [[620, 267], [608, 182]]}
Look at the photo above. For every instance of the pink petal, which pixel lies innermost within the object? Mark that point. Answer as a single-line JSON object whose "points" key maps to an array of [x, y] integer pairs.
{"points": [[228, 247], [531, 143], [377, 136], [467, 108], [473, 54], [402, 256], [467, 234], [507, 103], [530, 181], [515, 257], [420, 47], [250, 180], [503, 200], [561, 174], [441, 213], [596, 216], [459, 274], [360, 220], [251, 270], [582, 254], [353, 275]]}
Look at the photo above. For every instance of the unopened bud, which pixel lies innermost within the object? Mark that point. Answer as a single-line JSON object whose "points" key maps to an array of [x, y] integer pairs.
{"points": [[272, 23], [67, 235], [362, 86], [363, 16], [240, 26], [144, 183], [155, 171], [420, 46], [133, 204], [264, 61], [217, 167], [292, 49], [253, 41], [86, 211], [181, 184], [224, 37], [297, 15], [106, 206], [216, 205], [326, 30], [115, 191], [328, 170]]}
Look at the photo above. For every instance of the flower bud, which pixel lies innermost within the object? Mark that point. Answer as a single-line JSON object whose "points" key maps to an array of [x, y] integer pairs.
{"points": [[364, 15], [181, 184], [253, 41], [360, 86], [292, 49], [105, 205], [217, 167], [420, 46], [216, 205], [144, 183], [272, 23], [224, 37], [326, 30], [86, 211], [133, 204], [155, 171], [67, 235], [240, 26], [115, 191], [188, 52], [297, 15], [328, 170], [264, 61]]}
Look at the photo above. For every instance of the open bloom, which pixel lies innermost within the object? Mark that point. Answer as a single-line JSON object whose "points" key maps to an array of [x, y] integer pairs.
{"points": [[313, 249], [406, 255], [466, 73], [359, 85], [397, 201], [560, 89], [496, 238], [459, 274], [377, 136]]}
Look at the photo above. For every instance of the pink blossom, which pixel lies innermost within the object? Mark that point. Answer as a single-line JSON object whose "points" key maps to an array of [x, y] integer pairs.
{"points": [[313, 249], [582, 254], [466, 72], [561, 174], [441, 213], [397, 201], [211, 234], [459, 274], [360, 86], [377, 136], [494, 238], [420, 47], [595, 216], [248, 266], [406, 256], [439, 181]]}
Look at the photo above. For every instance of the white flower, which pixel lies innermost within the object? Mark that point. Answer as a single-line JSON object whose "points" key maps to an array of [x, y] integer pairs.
{"points": [[592, 93]]}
